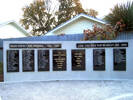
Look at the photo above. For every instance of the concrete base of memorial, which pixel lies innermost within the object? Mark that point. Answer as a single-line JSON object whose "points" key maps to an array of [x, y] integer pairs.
{"points": [[68, 60], [68, 90]]}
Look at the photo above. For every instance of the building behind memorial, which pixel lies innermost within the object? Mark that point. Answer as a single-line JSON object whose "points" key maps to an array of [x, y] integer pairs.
{"points": [[77, 25], [12, 29]]}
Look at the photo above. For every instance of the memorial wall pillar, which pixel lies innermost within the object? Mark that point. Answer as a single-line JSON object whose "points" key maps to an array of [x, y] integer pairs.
{"points": [[35, 60], [20, 61]]}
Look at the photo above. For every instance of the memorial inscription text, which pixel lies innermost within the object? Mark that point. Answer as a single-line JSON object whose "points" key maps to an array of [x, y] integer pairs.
{"points": [[12, 60], [99, 59], [78, 60], [28, 60], [59, 60], [102, 45], [35, 45], [43, 60], [119, 59]]}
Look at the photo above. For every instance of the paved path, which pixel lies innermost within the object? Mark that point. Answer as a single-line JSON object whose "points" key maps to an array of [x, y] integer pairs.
{"points": [[68, 90]]}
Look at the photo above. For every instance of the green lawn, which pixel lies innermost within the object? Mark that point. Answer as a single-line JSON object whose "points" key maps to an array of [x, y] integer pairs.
{"points": [[1, 68]]}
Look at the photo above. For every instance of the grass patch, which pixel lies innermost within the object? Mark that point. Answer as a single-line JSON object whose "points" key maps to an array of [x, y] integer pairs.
{"points": [[1, 68]]}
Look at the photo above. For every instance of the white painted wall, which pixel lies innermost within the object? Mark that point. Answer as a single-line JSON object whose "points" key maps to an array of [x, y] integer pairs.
{"points": [[76, 27], [88, 74], [10, 31]]}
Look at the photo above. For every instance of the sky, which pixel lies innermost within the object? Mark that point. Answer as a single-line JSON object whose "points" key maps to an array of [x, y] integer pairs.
{"points": [[12, 9]]}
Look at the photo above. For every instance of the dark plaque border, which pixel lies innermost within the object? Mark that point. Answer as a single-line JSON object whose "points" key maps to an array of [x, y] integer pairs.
{"points": [[74, 63], [47, 57], [98, 67], [117, 66], [55, 66], [17, 70], [30, 59]]}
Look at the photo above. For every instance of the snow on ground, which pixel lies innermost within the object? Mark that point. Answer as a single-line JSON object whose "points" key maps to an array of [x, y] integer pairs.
{"points": [[68, 90]]}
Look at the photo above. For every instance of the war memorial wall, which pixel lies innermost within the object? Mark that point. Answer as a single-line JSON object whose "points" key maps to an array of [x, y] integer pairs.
{"points": [[67, 60]]}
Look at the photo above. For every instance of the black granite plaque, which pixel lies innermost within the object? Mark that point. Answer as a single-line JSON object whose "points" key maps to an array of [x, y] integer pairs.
{"points": [[119, 59], [28, 60], [99, 59], [29, 45], [78, 60], [12, 60], [43, 60], [102, 45], [59, 60]]}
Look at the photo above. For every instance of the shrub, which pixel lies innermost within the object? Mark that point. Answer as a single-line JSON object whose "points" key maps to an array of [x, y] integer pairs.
{"points": [[107, 32]]}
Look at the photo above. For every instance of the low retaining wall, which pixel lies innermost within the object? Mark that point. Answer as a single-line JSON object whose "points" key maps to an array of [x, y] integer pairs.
{"points": [[67, 60]]}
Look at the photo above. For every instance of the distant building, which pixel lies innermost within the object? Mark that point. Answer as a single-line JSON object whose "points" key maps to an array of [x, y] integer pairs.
{"points": [[11, 29], [76, 25]]}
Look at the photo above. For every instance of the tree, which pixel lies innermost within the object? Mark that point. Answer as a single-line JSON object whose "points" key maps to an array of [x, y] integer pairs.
{"points": [[78, 7], [122, 12], [68, 9], [92, 12], [65, 10], [37, 18]]}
